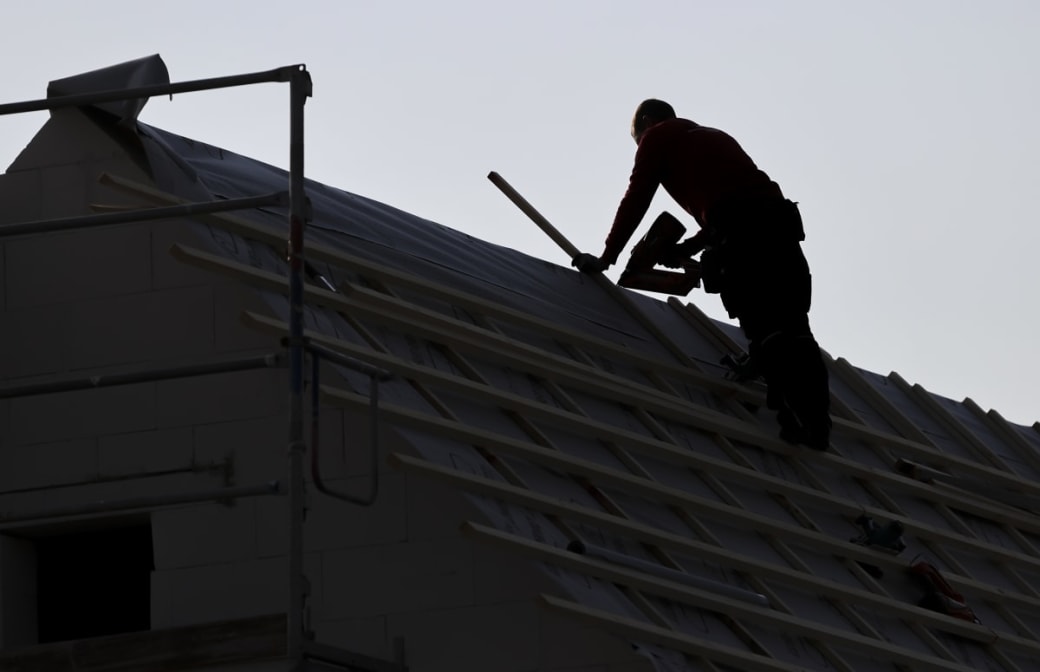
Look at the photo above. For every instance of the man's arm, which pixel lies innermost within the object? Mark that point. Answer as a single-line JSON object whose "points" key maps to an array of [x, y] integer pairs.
{"points": [[642, 185], [680, 253]]}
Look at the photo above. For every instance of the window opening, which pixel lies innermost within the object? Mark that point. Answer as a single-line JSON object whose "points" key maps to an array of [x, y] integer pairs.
{"points": [[94, 583]]}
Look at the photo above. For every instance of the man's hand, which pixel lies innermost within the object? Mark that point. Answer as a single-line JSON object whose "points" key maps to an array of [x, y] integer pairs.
{"points": [[589, 263], [673, 258], [682, 252]]}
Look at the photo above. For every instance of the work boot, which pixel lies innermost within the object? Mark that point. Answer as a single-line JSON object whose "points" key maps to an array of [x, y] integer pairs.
{"points": [[791, 429], [819, 437]]}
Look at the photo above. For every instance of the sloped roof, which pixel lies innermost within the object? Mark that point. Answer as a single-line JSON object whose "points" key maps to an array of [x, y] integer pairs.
{"points": [[567, 413]]}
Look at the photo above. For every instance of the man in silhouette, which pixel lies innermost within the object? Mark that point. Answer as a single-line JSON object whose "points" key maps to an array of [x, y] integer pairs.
{"points": [[750, 237]]}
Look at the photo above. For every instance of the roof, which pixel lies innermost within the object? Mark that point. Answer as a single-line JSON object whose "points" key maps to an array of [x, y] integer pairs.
{"points": [[568, 412]]}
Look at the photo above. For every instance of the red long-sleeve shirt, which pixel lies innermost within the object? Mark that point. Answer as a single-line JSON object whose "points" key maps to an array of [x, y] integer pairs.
{"points": [[699, 167]]}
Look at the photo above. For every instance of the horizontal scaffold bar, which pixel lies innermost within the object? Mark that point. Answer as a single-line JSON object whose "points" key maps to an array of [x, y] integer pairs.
{"points": [[139, 503], [282, 74], [279, 198], [143, 375]]}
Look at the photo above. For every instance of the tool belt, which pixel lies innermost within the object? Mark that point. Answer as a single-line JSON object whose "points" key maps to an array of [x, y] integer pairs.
{"points": [[736, 226], [767, 220]]}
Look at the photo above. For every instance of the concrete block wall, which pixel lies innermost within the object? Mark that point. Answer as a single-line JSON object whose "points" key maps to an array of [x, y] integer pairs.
{"points": [[105, 300], [100, 300]]}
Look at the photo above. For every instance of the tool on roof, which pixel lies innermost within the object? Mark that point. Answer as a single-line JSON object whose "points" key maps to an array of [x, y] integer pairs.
{"points": [[660, 246], [926, 474], [887, 538], [939, 595]]}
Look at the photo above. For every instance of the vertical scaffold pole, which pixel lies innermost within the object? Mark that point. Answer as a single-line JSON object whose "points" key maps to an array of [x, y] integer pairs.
{"points": [[299, 91]]}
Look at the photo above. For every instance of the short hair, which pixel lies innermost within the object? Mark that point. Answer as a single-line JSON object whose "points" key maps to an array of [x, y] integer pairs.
{"points": [[653, 109]]}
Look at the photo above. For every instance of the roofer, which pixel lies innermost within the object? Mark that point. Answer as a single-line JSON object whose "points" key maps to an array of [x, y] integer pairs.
{"points": [[750, 236]]}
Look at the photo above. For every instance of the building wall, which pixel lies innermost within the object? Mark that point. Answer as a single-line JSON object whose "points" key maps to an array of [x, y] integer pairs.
{"points": [[393, 577]]}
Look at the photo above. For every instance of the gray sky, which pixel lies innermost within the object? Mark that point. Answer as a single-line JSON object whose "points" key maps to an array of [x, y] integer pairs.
{"points": [[907, 130]]}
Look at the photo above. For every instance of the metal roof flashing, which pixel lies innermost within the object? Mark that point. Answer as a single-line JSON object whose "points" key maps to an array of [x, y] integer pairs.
{"points": [[147, 71]]}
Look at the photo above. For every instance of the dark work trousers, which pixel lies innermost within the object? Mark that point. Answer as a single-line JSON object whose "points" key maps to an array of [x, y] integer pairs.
{"points": [[768, 288]]}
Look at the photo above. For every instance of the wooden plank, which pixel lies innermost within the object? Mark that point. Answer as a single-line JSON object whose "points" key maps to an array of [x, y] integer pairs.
{"points": [[705, 326], [852, 429], [844, 370], [969, 487], [944, 418], [705, 599], [896, 417], [723, 492], [726, 344], [495, 348], [1026, 452], [881, 404], [492, 309], [649, 446], [332, 255], [654, 490], [619, 295], [653, 400], [918, 445], [468, 371], [627, 303], [594, 381], [602, 497], [695, 645], [952, 424], [609, 436], [668, 638], [889, 410], [633, 466], [738, 562], [839, 409], [547, 228], [279, 329]]}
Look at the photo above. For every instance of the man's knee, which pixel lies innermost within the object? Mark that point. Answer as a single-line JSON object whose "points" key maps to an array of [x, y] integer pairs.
{"points": [[785, 350]]}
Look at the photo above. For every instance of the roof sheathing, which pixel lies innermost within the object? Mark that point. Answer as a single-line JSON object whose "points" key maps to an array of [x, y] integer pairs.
{"points": [[525, 385]]}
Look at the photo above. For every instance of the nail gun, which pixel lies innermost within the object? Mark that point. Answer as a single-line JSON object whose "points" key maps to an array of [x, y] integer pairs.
{"points": [[656, 246]]}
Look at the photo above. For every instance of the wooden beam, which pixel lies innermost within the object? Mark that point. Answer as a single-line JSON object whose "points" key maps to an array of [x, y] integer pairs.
{"points": [[738, 562], [853, 429], [705, 599], [332, 255], [589, 379], [690, 644], [655, 448], [454, 333], [654, 490], [491, 309]]}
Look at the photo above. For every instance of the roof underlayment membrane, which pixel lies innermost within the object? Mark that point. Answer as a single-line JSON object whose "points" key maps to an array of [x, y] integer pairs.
{"points": [[564, 416]]}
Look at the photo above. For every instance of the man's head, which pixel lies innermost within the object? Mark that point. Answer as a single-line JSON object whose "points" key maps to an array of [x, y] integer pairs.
{"points": [[651, 111]]}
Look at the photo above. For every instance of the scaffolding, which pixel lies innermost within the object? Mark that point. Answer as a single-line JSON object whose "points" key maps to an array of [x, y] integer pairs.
{"points": [[300, 648]]}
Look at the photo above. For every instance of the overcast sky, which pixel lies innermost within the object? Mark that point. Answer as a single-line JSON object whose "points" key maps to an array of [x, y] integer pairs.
{"points": [[906, 129]]}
